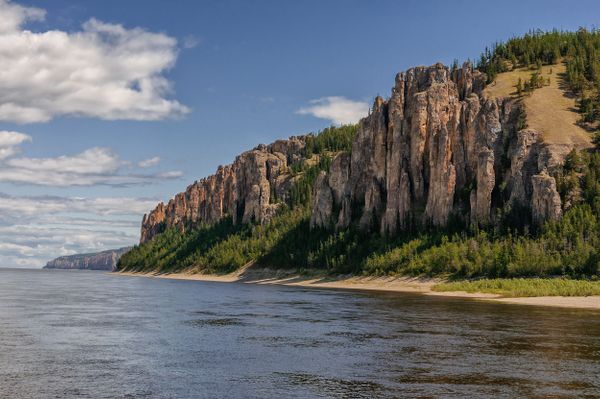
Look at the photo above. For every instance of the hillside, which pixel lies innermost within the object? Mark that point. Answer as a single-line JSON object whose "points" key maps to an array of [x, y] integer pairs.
{"points": [[551, 109], [454, 174], [105, 260]]}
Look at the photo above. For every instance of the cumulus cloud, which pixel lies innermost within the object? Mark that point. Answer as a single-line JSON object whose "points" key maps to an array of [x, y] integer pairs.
{"points": [[103, 71], [95, 166], [339, 110], [9, 143]]}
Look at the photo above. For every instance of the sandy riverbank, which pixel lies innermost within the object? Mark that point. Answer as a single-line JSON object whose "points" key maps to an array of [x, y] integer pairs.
{"points": [[388, 284]]}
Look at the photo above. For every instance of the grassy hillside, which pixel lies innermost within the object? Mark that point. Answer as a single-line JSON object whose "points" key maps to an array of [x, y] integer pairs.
{"points": [[549, 108], [580, 52]]}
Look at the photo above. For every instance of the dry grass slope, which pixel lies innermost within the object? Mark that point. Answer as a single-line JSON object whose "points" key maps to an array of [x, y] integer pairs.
{"points": [[551, 110]]}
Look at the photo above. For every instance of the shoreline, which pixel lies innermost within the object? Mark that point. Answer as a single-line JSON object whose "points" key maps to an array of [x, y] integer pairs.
{"points": [[416, 285]]}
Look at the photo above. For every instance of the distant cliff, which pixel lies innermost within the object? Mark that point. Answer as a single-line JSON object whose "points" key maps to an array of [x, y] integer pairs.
{"points": [[105, 260]]}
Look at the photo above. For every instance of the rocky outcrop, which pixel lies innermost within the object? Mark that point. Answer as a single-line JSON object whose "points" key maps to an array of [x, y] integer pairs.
{"points": [[438, 147], [105, 260], [250, 189], [153, 223], [481, 196], [322, 202], [545, 199]]}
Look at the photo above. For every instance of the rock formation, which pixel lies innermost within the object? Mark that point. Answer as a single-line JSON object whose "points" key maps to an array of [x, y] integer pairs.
{"points": [[545, 200], [250, 189], [438, 147], [105, 260]]}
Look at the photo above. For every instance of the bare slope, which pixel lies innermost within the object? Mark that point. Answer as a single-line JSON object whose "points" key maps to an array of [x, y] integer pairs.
{"points": [[551, 110]]}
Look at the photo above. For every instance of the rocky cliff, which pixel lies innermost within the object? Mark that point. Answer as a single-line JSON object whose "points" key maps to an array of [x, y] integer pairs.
{"points": [[438, 148], [249, 189], [105, 260]]}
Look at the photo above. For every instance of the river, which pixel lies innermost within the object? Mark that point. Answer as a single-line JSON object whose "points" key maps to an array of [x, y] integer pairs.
{"points": [[87, 334]]}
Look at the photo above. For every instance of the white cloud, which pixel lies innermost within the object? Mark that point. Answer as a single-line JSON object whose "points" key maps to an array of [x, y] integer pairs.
{"points": [[13, 16], [103, 71], [37, 206], [338, 110], [12, 139], [93, 161], [146, 163], [95, 166], [9, 143]]}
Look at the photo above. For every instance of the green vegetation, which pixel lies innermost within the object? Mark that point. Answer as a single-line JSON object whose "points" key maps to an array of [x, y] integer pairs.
{"points": [[536, 81], [331, 139], [301, 192], [218, 248], [521, 287], [320, 148], [519, 87]]}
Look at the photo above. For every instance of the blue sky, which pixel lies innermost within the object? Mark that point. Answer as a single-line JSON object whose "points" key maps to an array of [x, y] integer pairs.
{"points": [[143, 97]]}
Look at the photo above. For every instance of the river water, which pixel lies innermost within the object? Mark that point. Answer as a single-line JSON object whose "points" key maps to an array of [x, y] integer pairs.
{"points": [[87, 334]]}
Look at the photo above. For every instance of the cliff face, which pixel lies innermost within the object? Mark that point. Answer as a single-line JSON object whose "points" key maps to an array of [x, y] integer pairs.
{"points": [[106, 260], [246, 190], [438, 148]]}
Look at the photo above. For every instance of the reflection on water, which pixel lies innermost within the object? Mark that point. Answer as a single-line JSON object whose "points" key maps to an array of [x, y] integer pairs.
{"points": [[88, 334]]}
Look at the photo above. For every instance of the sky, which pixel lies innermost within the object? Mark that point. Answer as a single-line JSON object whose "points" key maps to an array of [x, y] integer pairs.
{"points": [[109, 106]]}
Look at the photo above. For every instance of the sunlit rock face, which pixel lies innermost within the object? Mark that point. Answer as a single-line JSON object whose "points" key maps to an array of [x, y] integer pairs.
{"points": [[250, 189], [438, 148]]}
